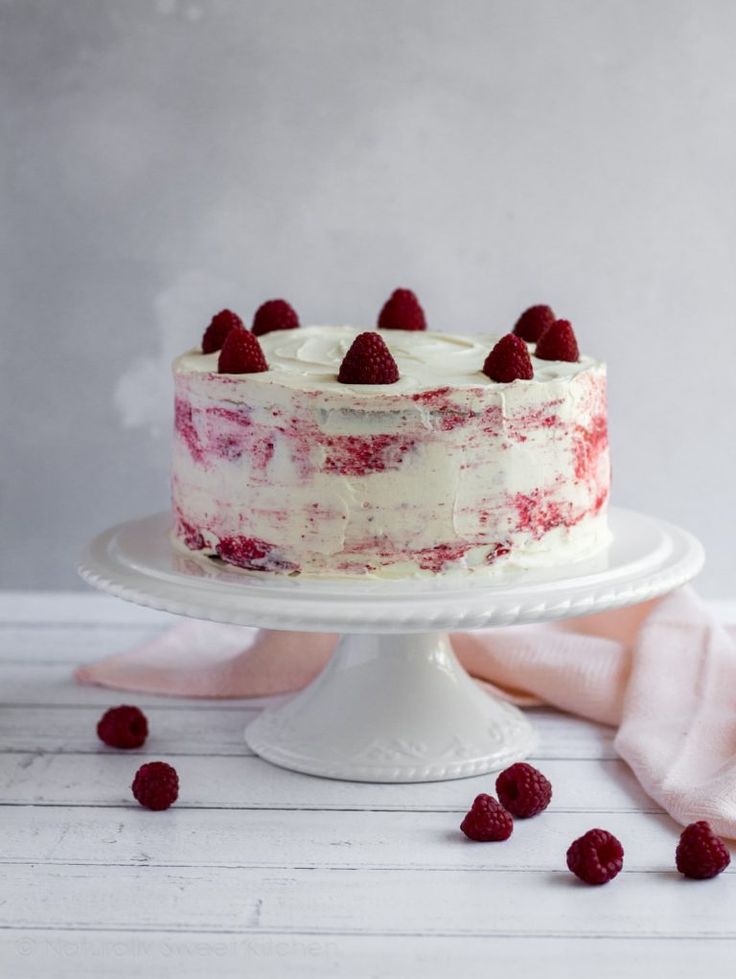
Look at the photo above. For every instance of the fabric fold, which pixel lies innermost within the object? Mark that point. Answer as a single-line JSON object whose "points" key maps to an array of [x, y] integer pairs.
{"points": [[678, 725]]}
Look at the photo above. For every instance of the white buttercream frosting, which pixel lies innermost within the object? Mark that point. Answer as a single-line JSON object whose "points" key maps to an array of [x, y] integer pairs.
{"points": [[309, 358], [443, 471]]}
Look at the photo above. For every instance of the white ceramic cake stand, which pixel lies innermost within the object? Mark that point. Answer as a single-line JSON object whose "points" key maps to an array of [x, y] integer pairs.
{"points": [[393, 704]]}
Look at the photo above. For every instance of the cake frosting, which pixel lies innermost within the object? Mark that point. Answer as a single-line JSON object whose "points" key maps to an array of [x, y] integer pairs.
{"points": [[445, 470]]}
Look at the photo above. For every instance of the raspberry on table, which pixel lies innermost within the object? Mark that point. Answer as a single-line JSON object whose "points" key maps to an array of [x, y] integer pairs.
{"points": [[241, 354], [487, 821], [523, 790], [533, 322], [276, 314], [509, 361], [700, 853], [123, 727], [596, 857], [368, 361], [402, 311], [218, 330], [558, 342], [156, 785]]}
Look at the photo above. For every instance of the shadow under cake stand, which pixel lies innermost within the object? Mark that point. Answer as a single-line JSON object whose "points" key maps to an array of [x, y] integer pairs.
{"points": [[393, 704]]}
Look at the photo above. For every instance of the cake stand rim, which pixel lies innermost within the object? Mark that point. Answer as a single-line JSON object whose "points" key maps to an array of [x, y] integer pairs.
{"points": [[677, 559]]}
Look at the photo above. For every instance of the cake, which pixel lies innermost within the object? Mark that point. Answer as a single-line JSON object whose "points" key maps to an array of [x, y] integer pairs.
{"points": [[291, 467]]}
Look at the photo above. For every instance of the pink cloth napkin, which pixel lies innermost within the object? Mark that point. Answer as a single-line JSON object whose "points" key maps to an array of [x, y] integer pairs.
{"points": [[664, 672]]}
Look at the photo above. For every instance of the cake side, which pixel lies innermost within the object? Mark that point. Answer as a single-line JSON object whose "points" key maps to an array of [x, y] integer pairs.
{"points": [[444, 470]]}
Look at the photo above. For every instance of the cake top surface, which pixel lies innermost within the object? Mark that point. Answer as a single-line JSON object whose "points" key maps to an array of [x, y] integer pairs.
{"points": [[309, 358]]}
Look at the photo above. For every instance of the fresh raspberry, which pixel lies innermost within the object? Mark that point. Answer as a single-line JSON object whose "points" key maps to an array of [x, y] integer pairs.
{"points": [[523, 790], [402, 312], [596, 857], [533, 322], [509, 361], [276, 314], [156, 785], [487, 820], [216, 333], [700, 853], [368, 361], [123, 727], [241, 354], [558, 343]]}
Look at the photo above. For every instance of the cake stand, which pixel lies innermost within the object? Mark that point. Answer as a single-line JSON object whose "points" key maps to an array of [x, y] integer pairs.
{"points": [[393, 704]]}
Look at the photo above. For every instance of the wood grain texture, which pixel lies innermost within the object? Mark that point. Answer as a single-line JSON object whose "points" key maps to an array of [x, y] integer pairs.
{"points": [[205, 729], [312, 839], [380, 902], [92, 954], [45, 778], [260, 871]]}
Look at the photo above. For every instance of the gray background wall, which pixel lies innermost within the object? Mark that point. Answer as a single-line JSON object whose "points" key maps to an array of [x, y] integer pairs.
{"points": [[162, 160]]}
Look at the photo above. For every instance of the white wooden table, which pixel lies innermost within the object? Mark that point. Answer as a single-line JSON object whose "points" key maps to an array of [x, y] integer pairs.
{"points": [[261, 872]]}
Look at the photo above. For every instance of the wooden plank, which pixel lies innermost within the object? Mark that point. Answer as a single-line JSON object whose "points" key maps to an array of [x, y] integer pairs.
{"points": [[72, 730], [228, 838], [37, 954], [364, 902], [214, 729], [249, 782]]}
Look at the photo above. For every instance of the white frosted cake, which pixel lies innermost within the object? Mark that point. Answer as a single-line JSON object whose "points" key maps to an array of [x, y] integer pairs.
{"points": [[290, 470]]}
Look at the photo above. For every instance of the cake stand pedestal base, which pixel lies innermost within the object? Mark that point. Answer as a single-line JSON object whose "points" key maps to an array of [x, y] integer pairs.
{"points": [[392, 708]]}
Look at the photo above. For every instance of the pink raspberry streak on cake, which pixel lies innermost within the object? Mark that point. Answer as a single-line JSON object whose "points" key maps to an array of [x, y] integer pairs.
{"points": [[446, 414], [350, 455], [589, 445], [437, 558], [190, 536], [497, 552], [185, 430], [253, 554], [538, 513], [444, 470]]}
